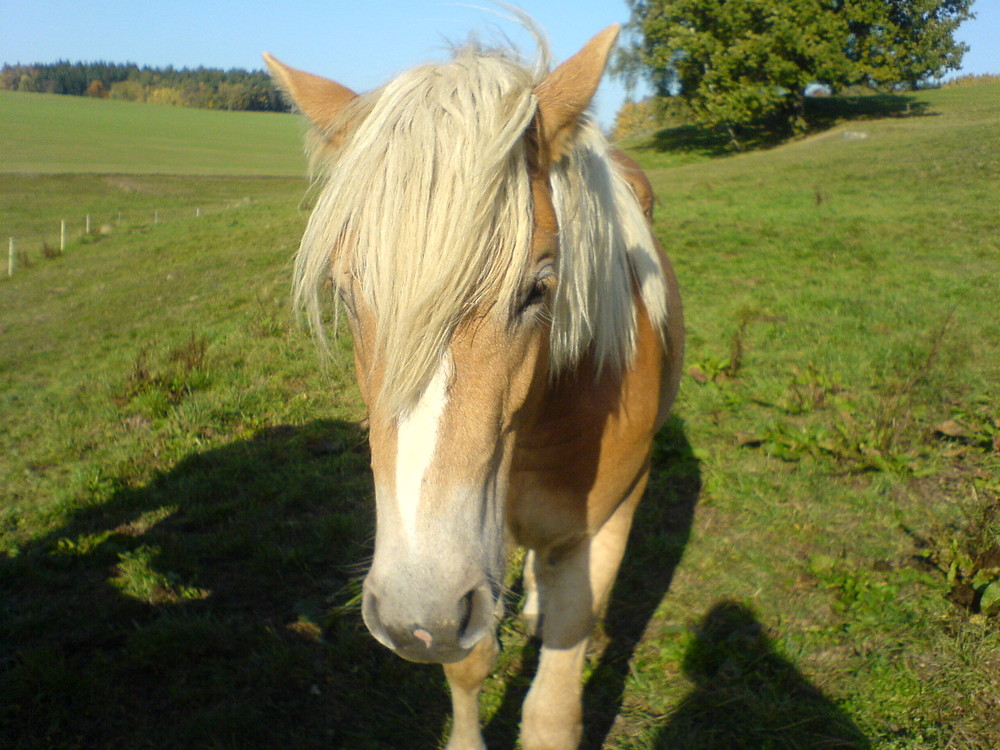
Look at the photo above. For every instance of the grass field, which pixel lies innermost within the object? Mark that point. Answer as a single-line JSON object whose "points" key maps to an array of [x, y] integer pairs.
{"points": [[46, 133], [185, 504]]}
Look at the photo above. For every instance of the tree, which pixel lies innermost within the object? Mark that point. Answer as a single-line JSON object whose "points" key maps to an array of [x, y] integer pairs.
{"points": [[165, 95], [748, 62], [97, 89], [906, 42], [130, 90]]}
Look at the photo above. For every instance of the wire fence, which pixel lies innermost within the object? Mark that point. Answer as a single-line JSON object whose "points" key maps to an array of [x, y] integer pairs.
{"points": [[51, 240]]}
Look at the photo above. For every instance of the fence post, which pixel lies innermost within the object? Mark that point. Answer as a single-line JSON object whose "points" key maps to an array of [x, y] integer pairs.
{"points": [[62, 236], [10, 257], [88, 223], [156, 217]]}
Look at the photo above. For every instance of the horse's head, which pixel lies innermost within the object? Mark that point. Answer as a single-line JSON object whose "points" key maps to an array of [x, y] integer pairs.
{"points": [[437, 228]]}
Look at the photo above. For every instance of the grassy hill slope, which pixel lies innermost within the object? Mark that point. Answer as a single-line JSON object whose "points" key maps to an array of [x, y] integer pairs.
{"points": [[185, 505], [46, 133], [844, 348]]}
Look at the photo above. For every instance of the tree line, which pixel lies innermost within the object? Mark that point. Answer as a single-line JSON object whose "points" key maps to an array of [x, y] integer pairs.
{"points": [[206, 88]]}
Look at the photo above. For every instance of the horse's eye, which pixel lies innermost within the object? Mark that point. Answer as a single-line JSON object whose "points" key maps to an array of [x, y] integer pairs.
{"points": [[535, 294], [347, 300]]}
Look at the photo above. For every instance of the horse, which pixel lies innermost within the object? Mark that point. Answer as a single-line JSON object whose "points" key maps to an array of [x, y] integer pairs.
{"points": [[518, 336]]}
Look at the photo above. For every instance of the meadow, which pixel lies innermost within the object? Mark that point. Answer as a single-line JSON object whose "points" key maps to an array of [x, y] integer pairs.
{"points": [[186, 508], [47, 133]]}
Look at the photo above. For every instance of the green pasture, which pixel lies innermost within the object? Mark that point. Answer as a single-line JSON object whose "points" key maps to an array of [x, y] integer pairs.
{"points": [[46, 133], [186, 507]]}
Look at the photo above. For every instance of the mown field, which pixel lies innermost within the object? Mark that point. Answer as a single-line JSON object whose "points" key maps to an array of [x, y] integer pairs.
{"points": [[185, 506], [46, 133]]}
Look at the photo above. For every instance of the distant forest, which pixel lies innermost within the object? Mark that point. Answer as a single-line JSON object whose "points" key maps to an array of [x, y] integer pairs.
{"points": [[206, 88]]}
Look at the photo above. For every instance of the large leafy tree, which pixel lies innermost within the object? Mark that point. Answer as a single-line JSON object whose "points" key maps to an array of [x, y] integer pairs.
{"points": [[742, 62], [905, 42]]}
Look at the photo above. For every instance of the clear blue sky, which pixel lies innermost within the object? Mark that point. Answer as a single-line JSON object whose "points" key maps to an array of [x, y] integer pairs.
{"points": [[360, 43]]}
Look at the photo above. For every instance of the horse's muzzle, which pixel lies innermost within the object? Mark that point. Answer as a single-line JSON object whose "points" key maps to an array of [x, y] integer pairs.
{"points": [[428, 633]]}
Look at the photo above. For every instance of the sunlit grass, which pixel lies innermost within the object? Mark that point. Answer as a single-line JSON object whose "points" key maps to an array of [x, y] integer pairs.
{"points": [[186, 501], [46, 133]]}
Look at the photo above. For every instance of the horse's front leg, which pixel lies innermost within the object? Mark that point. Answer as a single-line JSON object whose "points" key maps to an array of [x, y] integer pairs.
{"points": [[465, 679], [573, 588]]}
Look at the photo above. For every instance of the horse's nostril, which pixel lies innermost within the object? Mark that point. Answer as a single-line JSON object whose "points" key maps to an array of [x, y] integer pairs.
{"points": [[466, 606], [475, 614], [373, 620]]}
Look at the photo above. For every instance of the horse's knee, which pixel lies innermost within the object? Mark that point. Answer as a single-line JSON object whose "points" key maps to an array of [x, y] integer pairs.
{"points": [[567, 607]]}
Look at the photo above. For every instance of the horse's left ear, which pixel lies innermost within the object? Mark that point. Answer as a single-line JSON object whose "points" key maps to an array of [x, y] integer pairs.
{"points": [[566, 92], [317, 98]]}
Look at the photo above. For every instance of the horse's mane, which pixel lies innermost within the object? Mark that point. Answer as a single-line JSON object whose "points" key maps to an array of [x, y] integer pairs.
{"points": [[426, 205]]}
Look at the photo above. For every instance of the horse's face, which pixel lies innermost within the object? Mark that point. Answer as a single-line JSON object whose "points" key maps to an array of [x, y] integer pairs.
{"points": [[441, 468]]}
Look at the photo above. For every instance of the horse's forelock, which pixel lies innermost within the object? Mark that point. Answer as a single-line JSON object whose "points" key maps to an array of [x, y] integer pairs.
{"points": [[427, 205]]}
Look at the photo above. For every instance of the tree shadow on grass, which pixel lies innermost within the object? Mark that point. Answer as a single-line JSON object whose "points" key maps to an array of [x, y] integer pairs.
{"points": [[659, 535], [213, 607], [692, 139], [822, 113], [747, 696]]}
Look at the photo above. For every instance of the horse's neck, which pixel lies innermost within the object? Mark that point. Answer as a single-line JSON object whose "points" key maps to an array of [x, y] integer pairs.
{"points": [[637, 180]]}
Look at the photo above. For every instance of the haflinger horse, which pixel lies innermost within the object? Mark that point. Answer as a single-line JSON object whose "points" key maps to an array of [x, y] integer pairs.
{"points": [[517, 339]]}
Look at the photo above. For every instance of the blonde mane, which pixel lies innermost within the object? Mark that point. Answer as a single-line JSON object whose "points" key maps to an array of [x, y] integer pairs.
{"points": [[426, 209]]}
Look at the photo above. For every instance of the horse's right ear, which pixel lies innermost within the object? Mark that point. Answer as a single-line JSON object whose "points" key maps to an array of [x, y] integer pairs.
{"points": [[565, 93], [317, 98]]}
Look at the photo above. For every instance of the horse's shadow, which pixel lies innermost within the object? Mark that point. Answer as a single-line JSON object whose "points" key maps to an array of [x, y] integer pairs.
{"points": [[748, 696], [212, 606], [216, 606]]}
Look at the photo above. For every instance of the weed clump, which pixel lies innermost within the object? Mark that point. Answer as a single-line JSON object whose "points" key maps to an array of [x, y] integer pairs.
{"points": [[153, 388], [969, 557]]}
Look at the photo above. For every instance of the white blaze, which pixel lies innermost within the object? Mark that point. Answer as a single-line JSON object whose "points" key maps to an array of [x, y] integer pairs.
{"points": [[417, 441]]}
